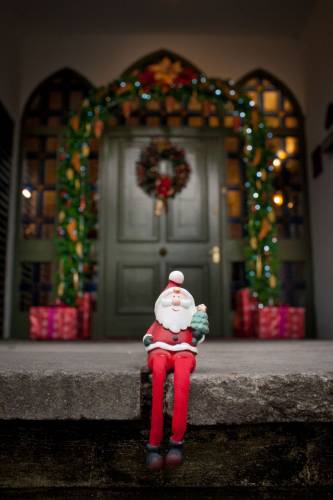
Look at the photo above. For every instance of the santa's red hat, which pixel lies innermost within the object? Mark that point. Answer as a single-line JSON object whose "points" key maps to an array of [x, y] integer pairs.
{"points": [[176, 278]]}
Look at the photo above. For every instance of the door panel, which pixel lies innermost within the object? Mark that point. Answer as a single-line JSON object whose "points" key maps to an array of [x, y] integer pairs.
{"points": [[138, 249], [187, 217], [135, 288], [136, 210]]}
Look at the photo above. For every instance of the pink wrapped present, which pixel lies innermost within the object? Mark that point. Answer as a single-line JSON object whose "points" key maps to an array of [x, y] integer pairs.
{"points": [[280, 322], [53, 322], [84, 307], [246, 306]]}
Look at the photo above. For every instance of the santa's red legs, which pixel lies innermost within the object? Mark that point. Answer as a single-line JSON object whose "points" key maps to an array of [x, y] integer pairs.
{"points": [[171, 343]]}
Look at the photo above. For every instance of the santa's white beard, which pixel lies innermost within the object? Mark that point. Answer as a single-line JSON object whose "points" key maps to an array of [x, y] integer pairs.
{"points": [[173, 320]]}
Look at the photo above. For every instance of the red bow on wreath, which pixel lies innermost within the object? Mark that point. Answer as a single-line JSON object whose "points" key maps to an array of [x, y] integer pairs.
{"points": [[163, 186], [155, 183]]}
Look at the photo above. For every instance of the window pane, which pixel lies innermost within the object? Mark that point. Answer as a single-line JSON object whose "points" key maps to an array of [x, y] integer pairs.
{"points": [[32, 144], [195, 121], [50, 175], [54, 121], [35, 284], [49, 209], [75, 100], [291, 122], [271, 101], [31, 168], [29, 231], [254, 96], [272, 121], [236, 231], [55, 100], [29, 205], [234, 203], [233, 171], [287, 105], [228, 121], [231, 144], [52, 144], [214, 121], [292, 145], [174, 121]]}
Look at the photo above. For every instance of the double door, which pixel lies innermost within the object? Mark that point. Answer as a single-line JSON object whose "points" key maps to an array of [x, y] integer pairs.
{"points": [[138, 249]]}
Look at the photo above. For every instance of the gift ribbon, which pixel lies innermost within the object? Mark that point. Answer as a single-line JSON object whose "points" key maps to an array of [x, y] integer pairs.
{"points": [[283, 313], [51, 321]]}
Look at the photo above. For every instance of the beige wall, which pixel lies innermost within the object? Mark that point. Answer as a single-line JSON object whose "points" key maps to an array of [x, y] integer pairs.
{"points": [[102, 58], [9, 78], [318, 45]]}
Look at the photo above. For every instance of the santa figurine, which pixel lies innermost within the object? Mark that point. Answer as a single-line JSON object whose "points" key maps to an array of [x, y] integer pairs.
{"points": [[171, 343]]}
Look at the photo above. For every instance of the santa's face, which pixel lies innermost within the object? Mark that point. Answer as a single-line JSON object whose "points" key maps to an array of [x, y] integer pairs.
{"points": [[174, 309]]}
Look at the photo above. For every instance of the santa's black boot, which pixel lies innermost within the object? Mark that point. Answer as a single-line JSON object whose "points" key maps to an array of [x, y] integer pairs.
{"points": [[174, 457], [154, 459]]}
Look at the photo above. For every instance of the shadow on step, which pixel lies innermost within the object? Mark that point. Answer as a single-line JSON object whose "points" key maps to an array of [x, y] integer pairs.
{"points": [[167, 494], [105, 456]]}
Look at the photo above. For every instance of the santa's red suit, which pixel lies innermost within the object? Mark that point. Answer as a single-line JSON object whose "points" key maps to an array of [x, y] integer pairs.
{"points": [[171, 349]]}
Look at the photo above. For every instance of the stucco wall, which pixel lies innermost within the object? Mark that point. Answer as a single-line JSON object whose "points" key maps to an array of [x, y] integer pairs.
{"points": [[102, 58], [9, 77], [318, 43]]}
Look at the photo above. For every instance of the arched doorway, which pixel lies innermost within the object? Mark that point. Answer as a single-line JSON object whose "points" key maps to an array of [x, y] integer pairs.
{"points": [[137, 250], [199, 121]]}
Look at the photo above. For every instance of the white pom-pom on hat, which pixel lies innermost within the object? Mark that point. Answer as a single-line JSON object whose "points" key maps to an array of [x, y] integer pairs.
{"points": [[176, 277]]}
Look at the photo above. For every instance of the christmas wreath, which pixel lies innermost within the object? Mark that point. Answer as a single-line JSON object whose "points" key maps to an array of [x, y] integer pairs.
{"points": [[162, 171]]}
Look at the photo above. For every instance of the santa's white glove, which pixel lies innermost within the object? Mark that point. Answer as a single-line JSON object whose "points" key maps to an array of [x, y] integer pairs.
{"points": [[147, 340]]}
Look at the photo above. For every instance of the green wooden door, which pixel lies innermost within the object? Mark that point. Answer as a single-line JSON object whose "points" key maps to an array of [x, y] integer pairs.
{"points": [[137, 249]]}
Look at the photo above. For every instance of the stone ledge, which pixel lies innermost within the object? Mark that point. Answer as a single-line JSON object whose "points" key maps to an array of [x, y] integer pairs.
{"points": [[67, 381], [241, 399], [235, 382], [60, 395]]}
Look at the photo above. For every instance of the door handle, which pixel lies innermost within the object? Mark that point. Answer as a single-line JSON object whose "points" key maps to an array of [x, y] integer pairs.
{"points": [[216, 254]]}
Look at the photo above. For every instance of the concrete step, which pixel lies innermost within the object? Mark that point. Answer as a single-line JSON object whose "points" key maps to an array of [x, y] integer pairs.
{"points": [[76, 415], [235, 382]]}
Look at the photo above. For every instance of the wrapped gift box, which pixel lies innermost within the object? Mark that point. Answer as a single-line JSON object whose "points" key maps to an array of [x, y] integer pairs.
{"points": [[53, 322], [280, 322], [246, 306], [84, 307]]}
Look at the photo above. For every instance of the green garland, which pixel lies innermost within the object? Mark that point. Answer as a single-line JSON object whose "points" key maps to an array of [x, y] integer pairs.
{"points": [[75, 219]]}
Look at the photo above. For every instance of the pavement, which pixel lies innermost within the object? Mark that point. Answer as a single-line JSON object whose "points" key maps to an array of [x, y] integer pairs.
{"points": [[236, 381]]}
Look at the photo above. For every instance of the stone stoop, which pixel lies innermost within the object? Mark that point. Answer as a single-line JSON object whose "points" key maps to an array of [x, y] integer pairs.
{"points": [[77, 415]]}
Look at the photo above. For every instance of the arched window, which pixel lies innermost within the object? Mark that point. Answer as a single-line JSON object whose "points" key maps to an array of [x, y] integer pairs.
{"points": [[284, 116], [44, 118]]}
